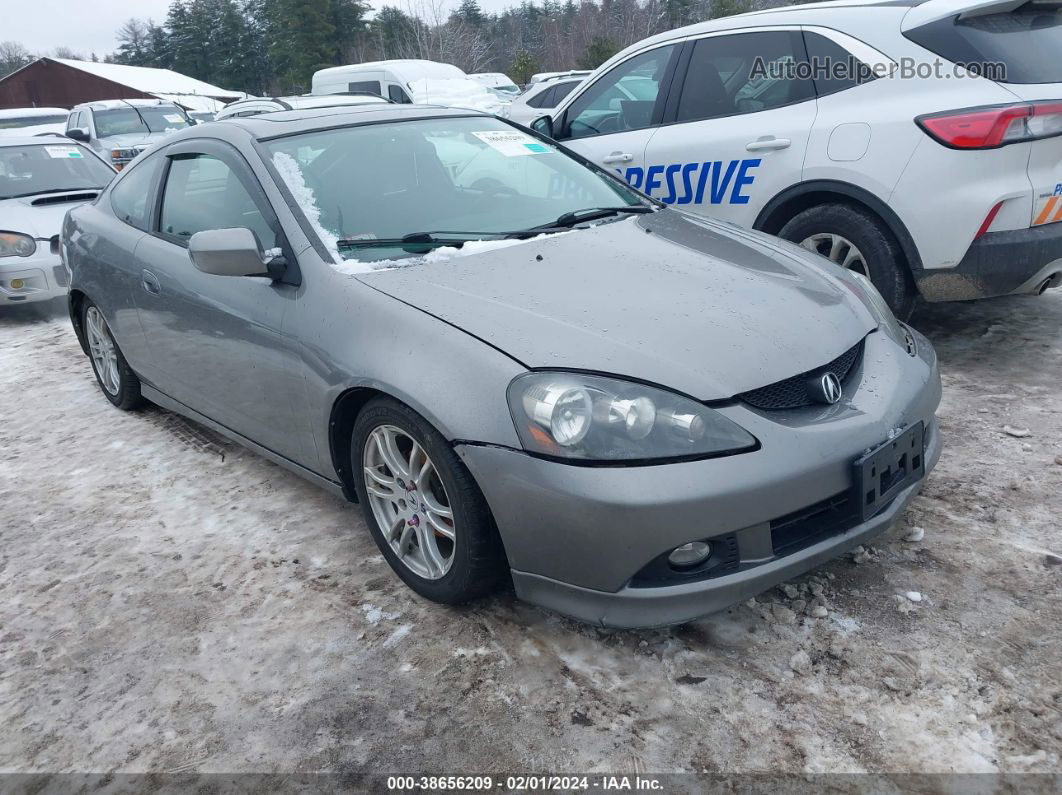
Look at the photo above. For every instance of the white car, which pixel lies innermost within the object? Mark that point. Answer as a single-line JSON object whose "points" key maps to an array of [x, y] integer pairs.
{"points": [[539, 98], [253, 106], [40, 179], [934, 182], [31, 121], [498, 81]]}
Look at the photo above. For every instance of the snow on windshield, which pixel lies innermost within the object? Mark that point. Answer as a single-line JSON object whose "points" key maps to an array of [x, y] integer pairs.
{"points": [[291, 173], [455, 93]]}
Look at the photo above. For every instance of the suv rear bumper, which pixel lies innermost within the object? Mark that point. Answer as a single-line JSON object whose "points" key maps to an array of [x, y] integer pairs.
{"points": [[1017, 262]]}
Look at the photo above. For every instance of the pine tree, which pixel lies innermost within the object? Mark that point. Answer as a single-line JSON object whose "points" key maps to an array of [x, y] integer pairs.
{"points": [[522, 68]]}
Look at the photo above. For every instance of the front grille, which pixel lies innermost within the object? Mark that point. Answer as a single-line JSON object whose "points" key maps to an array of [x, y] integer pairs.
{"points": [[792, 393], [812, 524]]}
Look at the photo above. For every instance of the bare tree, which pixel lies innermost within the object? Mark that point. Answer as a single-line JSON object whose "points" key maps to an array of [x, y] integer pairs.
{"points": [[13, 56]]}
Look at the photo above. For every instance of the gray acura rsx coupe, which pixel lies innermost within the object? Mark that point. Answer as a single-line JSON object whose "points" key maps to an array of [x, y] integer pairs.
{"points": [[519, 367]]}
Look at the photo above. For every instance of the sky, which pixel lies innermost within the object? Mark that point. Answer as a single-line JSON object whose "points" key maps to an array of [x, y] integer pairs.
{"points": [[88, 26]]}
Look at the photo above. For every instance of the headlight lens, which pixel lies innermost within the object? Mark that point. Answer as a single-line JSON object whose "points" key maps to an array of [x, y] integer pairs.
{"points": [[13, 244], [594, 418], [877, 304]]}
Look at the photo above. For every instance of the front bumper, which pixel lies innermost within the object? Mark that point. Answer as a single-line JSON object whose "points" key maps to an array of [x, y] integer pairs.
{"points": [[577, 536], [43, 277], [1015, 262]]}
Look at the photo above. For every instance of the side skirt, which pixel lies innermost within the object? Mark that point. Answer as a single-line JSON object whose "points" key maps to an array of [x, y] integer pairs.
{"points": [[170, 404]]}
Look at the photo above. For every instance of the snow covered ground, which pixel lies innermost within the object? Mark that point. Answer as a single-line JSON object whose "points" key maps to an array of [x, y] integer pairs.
{"points": [[170, 602]]}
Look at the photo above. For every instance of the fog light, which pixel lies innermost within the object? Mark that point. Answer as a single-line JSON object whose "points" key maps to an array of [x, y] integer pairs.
{"points": [[690, 554], [17, 284]]}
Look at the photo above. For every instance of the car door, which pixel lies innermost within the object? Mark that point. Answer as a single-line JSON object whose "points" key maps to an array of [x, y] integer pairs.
{"points": [[612, 120], [736, 127], [217, 343]]}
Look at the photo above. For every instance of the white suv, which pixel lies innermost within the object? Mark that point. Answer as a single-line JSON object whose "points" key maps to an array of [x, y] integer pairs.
{"points": [[941, 183]]}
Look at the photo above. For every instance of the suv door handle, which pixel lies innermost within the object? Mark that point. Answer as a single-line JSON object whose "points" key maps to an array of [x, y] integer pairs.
{"points": [[150, 282], [618, 157], [767, 144]]}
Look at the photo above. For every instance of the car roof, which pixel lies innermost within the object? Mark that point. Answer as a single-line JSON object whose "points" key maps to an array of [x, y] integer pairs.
{"points": [[288, 122], [107, 104]]}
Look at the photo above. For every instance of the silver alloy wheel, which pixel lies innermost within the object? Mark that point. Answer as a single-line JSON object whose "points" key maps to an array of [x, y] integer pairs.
{"points": [[409, 502], [101, 348], [837, 249]]}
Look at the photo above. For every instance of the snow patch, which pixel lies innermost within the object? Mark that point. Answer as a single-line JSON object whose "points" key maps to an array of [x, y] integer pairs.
{"points": [[455, 92]]}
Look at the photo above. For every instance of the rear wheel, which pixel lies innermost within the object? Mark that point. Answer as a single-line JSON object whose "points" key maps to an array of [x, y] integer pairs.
{"points": [[855, 239], [117, 381], [424, 510]]}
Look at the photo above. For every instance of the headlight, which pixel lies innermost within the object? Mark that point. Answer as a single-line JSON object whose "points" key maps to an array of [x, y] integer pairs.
{"points": [[121, 157], [878, 306], [594, 418], [12, 244]]}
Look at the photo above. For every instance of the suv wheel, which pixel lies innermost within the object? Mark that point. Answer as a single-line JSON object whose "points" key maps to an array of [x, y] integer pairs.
{"points": [[855, 239]]}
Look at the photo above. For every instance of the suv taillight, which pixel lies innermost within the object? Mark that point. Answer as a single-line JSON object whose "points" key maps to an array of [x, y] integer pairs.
{"points": [[992, 127]]}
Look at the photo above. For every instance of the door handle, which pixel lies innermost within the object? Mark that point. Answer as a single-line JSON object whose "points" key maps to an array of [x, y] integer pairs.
{"points": [[618, 157], [150, 282], [768, 144]]}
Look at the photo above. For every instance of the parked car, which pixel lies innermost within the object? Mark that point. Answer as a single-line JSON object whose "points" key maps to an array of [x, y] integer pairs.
{"points": [[539, 98], [408, 81], [200, 116], [255, 105], [498, 81], [40, 179], [21, 122], [120, 129], [942, 184], [637, 414]]}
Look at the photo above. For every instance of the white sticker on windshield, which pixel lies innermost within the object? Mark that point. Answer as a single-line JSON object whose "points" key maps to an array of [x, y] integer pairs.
{"points": [[63, 151], [512, 143], [173, 118]]}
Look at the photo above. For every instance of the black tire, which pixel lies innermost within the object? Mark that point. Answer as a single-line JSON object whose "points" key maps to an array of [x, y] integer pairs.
{"points": [[886, 264], [479, 565], [128, 397]]}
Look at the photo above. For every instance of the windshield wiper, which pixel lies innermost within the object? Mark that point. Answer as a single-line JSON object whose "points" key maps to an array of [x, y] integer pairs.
{"points": [[418, 242], [570, 219]]}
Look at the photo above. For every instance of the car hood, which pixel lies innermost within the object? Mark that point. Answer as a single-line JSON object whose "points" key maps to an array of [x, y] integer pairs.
{"points": [[138, 140], [699, 306], [42, 220]]}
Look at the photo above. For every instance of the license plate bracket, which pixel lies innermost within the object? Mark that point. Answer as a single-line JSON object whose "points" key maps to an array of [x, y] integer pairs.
{"points": [[890, 468]]}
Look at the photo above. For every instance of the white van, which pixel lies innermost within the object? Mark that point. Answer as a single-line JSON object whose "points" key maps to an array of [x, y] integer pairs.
{"points": [[408, 81]]}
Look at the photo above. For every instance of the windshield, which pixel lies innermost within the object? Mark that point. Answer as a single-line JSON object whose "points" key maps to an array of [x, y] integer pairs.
{"points": [[123, 121], [11, 123], [473, 178], [51, 168]]}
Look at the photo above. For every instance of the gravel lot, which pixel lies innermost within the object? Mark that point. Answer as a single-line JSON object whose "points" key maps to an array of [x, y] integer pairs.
{"points": [[170, 602]]}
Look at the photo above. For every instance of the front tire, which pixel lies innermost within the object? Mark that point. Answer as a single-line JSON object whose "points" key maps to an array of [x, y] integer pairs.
{"points": [[422, 506], [116, 379], [855, 239]]}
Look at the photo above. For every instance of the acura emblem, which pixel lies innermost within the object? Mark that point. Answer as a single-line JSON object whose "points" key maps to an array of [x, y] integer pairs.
{"points": [[827, 389]]}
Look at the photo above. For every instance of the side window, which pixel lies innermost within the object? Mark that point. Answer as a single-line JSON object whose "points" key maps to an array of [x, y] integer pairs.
{"points": [[396, 94], [132, 198], [561, 91], [202, 192], [542, 98], [833, 68], [624, 98], [743, 73], [366, 86]]}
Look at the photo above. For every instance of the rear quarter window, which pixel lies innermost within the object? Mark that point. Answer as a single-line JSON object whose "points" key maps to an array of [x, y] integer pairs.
{"points": [[1019, 46], [133, 194]]}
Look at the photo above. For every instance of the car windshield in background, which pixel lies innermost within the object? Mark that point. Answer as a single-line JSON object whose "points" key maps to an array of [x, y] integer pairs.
{"points": [[125, 121], [50, 168], [1026, 42], [448, 179], [13, 123]]}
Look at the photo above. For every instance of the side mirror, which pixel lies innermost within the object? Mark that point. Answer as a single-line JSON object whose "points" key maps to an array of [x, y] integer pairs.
{"points": [[228, 252], [78, 134], [543, 125]]}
